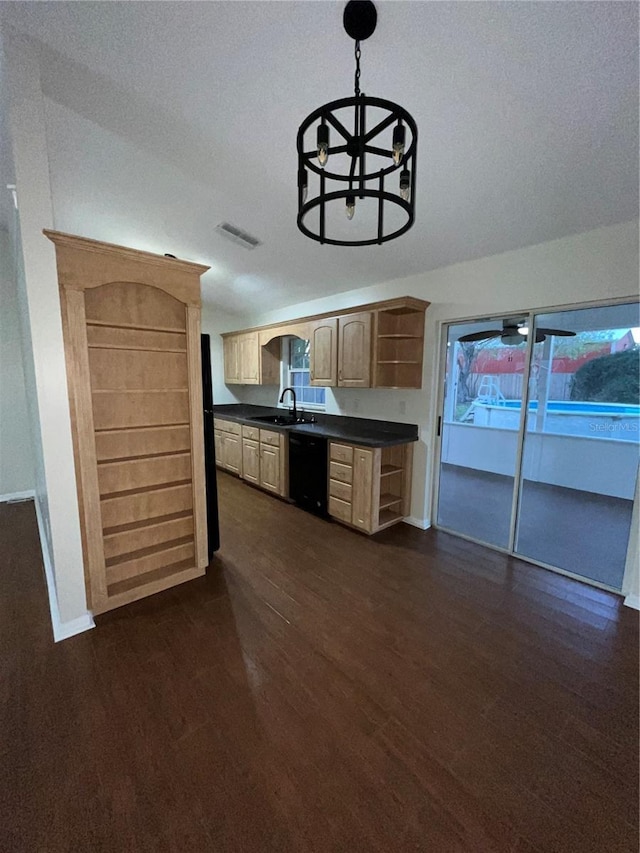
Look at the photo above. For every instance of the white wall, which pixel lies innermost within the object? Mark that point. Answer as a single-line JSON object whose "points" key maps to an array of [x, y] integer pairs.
{"points": [[16, 450], [214, 322], [56, 495], [596, 265], [599, 465]]}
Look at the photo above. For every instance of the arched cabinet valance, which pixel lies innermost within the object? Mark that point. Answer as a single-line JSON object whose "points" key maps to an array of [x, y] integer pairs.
{"points": [[131, 324]]}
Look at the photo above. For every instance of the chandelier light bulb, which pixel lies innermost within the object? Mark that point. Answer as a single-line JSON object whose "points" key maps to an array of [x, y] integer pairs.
{"points": [[398, 143], [303, 183], [323, 144], [351, 206], [405, 184]]}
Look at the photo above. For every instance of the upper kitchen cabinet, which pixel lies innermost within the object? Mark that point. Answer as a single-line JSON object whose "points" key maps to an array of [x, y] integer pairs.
{"points": [[231, 350], [131, 325], [323, 352], [354, 350], [379, 345], [248, 363], [398, 344], [249, 359]]}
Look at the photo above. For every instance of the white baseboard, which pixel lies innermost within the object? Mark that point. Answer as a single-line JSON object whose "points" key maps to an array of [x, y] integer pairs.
{"points": [[18, 496], [421, 523], [64, 630], [61, 630], [633, 601]]}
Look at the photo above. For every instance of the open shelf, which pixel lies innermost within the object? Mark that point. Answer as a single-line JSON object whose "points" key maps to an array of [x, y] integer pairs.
{"points": [[388, 517], [387, 500], [398, 348], [386, 470], [394, 480]]}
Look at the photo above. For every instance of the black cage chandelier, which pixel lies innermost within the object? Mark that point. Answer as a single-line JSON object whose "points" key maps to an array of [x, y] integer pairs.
{"points": [[375, 159]]}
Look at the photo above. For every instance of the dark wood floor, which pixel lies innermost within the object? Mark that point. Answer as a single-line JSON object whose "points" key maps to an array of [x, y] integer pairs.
{"points": [[320, 691]]}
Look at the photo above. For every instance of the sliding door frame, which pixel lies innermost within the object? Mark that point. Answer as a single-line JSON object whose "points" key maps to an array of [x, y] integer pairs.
{"points": [[438, 419]]}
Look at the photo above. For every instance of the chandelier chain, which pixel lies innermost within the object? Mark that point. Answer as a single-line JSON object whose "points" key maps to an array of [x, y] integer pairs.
{"points": [[358, 54]]}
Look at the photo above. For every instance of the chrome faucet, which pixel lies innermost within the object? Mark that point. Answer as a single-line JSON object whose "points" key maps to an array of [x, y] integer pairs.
{"points": [[293, 394]]}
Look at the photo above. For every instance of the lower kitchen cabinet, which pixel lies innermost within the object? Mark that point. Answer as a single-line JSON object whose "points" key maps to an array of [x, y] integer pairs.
{"points": [[259, 456], [250, 460], [270, 468], [227, 437], [369, 488], [362, 498], [274, 462]]}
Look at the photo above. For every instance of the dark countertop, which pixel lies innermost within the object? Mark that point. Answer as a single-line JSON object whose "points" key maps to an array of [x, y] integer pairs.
{"points": [[362, 431]]}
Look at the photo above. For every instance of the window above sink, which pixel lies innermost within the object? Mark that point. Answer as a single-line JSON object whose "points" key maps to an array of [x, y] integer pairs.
{"points": [[295, 374]]}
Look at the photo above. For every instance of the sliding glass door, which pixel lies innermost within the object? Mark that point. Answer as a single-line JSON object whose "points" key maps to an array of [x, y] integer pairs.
{"points": [[580, 457], [478, 454], [540, 438]]}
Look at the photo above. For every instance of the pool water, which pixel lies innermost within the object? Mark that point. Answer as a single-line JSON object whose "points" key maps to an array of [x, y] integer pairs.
{"points": [[618, 421]]}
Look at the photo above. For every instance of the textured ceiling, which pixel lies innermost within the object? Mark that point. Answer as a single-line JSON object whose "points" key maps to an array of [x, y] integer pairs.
{"points": [[165, 119]]}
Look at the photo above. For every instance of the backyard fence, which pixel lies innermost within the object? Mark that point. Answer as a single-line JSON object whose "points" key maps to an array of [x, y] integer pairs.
{"points": [[510, 384]]}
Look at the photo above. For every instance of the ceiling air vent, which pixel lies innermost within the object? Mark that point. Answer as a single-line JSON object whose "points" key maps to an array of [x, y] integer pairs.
{"points": [[231, 232]]}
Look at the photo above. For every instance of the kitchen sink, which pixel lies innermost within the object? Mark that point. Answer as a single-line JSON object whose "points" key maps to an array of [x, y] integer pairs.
{"points": [[279, 420]]}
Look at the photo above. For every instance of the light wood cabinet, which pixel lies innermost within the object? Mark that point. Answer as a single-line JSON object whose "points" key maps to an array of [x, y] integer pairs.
{"points": [[259, 456], [354, 350], [131, 325], [231, 355], [227, 436], [270, 468], [323, 355], [233, 454], [369, 488], [379, 345], [274, 462], [398, 347], [246, 362], [251, 461], [362, 498], [249, 359], [218, 445]]}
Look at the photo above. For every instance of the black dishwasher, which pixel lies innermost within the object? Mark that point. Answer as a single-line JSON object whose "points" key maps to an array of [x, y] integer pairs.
{"points": [[308, 472]]}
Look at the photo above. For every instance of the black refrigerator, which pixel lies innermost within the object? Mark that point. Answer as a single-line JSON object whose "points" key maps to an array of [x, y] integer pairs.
{"points": [[213, 529]]}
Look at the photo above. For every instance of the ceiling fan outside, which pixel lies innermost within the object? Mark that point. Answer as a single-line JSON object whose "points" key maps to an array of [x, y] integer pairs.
{"points": [[514, 332]]}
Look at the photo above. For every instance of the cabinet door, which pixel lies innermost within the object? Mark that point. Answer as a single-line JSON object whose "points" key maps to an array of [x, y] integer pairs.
{"points": [[354, 351], [231, 360], [270, 468], [324, 352], [218, 444], [232, 453], [249, 359], [362, 489], [250, 461]]}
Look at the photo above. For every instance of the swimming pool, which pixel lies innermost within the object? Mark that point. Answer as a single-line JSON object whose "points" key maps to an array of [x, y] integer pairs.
{"points": [[620, 421], [573, 407]]}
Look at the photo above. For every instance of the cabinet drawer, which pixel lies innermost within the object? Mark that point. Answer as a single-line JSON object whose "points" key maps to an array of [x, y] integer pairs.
{"points": [[252, 433], [268, 437], [340, 509], [227, 426], [341, 452], [340, 490], [339, 471]]}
